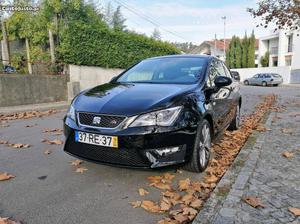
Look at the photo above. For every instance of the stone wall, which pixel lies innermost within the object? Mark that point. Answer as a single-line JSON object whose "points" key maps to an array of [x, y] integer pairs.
{"points": [[16, 89]]}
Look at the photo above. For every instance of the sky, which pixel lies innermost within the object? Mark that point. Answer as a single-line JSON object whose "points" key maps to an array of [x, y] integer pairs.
{"points": [[190, 20]]}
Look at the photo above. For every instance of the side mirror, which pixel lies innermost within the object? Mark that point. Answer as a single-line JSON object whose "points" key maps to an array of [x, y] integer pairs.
{"points": [[221, 81]]}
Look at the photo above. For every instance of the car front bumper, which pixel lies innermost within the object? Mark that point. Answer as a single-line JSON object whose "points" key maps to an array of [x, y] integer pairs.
{"points": [[138, 147]]}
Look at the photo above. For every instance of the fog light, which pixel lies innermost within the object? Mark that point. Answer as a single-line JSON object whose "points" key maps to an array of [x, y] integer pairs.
{"points": [[167, 151]]}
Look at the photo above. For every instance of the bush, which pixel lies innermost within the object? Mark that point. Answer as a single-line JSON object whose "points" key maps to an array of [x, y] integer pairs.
{"points": [[85, 44]]}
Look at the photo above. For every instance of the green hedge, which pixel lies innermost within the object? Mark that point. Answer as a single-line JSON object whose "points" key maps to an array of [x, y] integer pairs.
{"points": [[84, 44]]}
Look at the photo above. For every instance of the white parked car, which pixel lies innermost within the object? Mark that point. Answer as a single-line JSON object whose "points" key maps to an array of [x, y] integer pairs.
{"points": [[264, 79]]}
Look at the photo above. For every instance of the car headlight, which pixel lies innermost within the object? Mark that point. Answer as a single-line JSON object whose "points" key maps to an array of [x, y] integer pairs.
{"points": [[71, 113], [158, 118]]}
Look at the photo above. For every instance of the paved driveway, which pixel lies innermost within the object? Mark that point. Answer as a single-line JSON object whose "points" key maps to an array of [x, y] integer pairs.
{"points": [[47, 190]]}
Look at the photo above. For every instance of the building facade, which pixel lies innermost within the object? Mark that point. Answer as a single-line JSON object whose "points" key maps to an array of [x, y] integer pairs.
{"points": [[283, 48]]}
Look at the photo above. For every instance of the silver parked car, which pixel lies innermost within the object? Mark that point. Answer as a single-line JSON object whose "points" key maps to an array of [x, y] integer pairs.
{"points": [[264, 79]]}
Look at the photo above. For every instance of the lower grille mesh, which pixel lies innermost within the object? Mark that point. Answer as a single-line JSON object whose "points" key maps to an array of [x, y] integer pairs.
{"points": [[125, 157]]}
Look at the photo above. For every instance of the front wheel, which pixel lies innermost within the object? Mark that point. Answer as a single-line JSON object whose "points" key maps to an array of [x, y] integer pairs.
{"points": [[264, 83], [246, 82], [201, 152]]}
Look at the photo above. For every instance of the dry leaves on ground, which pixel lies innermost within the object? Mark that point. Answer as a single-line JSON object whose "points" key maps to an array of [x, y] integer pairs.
{"points": [[76, 162], [143, 192], [186, 199], [8, 221], [81, 170], [26, 115], [287, 154], [295, 211], [255, 202], [52, 142], [5, 176], [54, 131]]}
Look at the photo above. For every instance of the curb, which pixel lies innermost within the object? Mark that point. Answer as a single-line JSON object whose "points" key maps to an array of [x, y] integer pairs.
{"points": [[220, 207], [32, 107]]}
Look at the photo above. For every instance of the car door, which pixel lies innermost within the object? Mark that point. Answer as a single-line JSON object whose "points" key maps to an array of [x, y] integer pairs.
{"points": [[254, 80], [218, 99]]}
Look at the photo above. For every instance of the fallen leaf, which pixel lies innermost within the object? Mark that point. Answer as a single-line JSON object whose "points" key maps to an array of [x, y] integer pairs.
{"points": [[168, 176], [181, 218], [81, 170], [5, 176], [184, 184], [187, 199], [47, 130], [18, 145], [197, 203], [211, 179], [28, 126], [3, 142], [295, 211], [165, 204], [76, 162], [4, 125], [189, 211], [136, 204], [8, 221], [196, 186], [52, 142], [150, 206], [287, 154], [254, 202], [167, 221], [154, 179], [143, 192], [287, 130], [47, 152], [162, 186]]}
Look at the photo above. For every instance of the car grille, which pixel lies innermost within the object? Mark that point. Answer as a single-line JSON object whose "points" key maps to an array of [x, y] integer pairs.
{"points": [[120, 156], [106, 121]]}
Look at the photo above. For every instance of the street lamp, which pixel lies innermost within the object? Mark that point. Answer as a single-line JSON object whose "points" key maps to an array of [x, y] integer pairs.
{"points": [[224, 48]]}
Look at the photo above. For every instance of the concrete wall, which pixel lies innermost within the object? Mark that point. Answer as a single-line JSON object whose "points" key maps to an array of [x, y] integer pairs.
{"points": [[295, 76], [84, 77], [284, 71], [31, 89]]}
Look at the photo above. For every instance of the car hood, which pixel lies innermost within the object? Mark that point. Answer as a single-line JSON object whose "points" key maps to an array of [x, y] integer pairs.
{"points": [[129, 99]]}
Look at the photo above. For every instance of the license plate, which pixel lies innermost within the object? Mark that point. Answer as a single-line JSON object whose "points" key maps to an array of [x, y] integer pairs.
{"points": [[95, 139]]}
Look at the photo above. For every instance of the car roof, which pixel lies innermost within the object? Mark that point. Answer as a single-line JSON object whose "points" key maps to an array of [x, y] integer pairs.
{"points": [[208, 57]]}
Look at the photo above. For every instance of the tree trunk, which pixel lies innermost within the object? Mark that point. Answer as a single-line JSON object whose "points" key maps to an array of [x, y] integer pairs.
{"points": [[52, 48], [28, 56], [5, 45]]}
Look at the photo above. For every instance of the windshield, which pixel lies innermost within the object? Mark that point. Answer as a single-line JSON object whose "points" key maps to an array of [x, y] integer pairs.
{"points": [[166, 70]]}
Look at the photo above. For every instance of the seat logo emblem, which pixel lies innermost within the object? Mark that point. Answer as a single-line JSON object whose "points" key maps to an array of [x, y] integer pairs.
{"points": [[96, 120]]}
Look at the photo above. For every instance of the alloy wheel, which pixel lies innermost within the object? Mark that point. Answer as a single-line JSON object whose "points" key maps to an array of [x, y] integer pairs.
{"points": [[205, 145]]}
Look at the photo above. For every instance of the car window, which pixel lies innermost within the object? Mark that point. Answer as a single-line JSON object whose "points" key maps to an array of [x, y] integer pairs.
{"points": [[256, 76], [260, 76], [216, 69], [227, 72], [185, 70], [267, 76]]}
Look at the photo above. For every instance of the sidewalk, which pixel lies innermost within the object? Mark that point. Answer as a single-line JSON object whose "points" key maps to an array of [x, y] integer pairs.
{"points": [[261, 171], [31, 107]]}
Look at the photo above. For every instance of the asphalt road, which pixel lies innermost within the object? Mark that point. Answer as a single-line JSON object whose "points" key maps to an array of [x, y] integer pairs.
{"points": [[47, 190]]}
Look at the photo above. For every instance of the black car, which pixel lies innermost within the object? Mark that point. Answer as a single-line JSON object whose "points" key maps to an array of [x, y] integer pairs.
{"points": [[161, 111]]}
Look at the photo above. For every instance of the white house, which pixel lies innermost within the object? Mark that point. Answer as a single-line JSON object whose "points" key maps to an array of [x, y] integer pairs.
{"points": [[283, 47], [216, 48]]}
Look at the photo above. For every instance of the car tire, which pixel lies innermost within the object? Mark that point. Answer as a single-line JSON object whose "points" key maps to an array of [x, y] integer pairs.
{"points": [[264, 83], [235, 123], [276, 85], [201, 151], [246, 82]]}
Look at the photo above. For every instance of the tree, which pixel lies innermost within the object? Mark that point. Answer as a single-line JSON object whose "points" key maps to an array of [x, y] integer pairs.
{"points": [[251, 51], [284, 13], [108, 15], [118, 21], [264, 60], [245, 51], [156, 34], [238, 53]]}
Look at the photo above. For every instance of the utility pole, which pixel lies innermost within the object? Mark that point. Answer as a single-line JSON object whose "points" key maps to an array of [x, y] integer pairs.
{"points": [[215, 45], [5, 44], [224, 48]]}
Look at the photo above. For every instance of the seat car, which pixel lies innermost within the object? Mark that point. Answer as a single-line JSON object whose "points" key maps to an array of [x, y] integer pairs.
{"points": [[161, 111], [266, 79], [236, 75]]}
